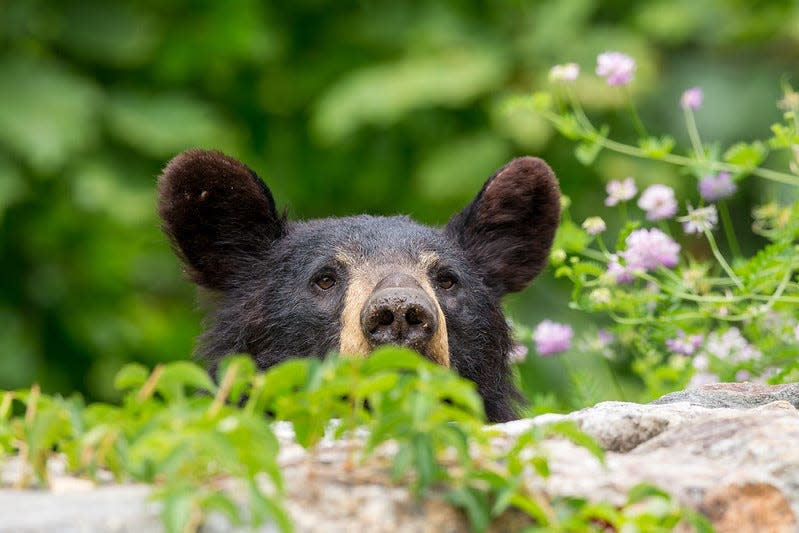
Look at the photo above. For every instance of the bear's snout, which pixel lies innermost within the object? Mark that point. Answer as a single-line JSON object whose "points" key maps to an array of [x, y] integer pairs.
{"points": [[399, 312]]}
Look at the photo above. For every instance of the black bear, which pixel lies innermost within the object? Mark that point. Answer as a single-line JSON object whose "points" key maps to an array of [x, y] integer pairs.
{"points": [[306, 288]]}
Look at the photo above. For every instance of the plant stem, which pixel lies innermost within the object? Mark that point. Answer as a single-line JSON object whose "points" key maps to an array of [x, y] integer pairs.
{"points": [[693, 133], [634, 151], [720, 258], [639, 126], [729, 231]]}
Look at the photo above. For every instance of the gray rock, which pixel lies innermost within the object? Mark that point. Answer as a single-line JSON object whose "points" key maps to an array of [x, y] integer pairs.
{"points": [[735, 395]]}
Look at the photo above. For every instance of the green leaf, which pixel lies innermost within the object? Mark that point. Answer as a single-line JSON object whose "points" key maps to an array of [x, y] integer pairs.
{"points": [[643, 491], [381, 95], [746, 155], [475, 504], [182, 375], [131, 376], [424, 459], [657, 147], [162, 124], [53, 116], [587, 152], [395, 358], [178, 505], [571, 237]]}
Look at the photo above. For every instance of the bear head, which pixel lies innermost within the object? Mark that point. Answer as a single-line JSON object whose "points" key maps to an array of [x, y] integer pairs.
{"points": [[286, 288]]}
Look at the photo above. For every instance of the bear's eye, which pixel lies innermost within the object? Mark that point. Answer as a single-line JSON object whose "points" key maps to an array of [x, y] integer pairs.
{"points": [[326, 282], [445, 281]]}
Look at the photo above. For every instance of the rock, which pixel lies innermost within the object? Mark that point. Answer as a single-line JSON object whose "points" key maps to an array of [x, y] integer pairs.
{"points": [[730, 451], [735, 395]]}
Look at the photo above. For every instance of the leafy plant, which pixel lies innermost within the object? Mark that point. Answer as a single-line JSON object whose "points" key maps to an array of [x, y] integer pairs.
{"points": [[686, 310], [193, 439]]}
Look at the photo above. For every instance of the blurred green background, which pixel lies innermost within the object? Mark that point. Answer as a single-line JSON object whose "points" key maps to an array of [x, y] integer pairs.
{"points": [[342, 107]]}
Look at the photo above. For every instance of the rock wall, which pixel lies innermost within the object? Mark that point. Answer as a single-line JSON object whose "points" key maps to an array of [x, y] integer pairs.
{"points": [[730, 451]]}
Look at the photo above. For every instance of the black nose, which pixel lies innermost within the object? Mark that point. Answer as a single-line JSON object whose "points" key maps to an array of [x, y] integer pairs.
{"points": [[401, 314]]}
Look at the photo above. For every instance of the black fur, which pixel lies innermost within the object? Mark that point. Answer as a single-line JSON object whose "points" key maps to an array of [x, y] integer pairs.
{"points": [[263, 268]]}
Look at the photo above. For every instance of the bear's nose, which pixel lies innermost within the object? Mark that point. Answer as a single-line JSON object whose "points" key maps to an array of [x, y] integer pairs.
{"points": [[402, 315]]}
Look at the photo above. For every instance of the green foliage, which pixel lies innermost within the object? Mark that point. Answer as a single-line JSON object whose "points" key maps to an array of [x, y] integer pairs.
{"points": [[184, 443]]}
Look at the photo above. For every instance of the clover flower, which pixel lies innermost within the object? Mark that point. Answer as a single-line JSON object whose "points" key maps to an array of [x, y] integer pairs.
{"points": [[650, 249], [713, 188], [692, 98], [684, 344], [615, 67], [620, 273], [699, 220], [594, 225], [565, 73], [620, 191], [552, 338], [647, 249], [731, 346], [658, 201]]}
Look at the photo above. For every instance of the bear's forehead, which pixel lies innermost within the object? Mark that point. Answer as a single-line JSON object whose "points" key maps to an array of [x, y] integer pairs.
{"points": [[366, 236]]}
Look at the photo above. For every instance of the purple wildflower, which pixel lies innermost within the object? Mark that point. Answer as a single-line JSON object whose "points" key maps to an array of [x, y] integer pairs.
{"points": [[564, 73], [615, 67], [731, 346], [796, 332], [620, 191], [699, 220], [619, 273], [658, 201], [713, 188], [692, 98], [743, 375], [684, 344], [650, 249], [552, 338]]}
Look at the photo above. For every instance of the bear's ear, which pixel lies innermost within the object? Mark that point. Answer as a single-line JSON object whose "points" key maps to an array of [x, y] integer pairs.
{"points": [[509, 227], [218, 214]]}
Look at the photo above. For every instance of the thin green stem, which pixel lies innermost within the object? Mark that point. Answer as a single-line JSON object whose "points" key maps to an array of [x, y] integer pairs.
{"points": [[729, 231], [720, 258], [639, 126], [634, 151], [693, 134]]}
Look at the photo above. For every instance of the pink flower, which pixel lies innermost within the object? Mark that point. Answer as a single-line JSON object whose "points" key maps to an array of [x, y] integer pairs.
{"points": [[619, 273], [692, 98], [650, 249], [714, 188], [743, 375], [552, 338], [564, 73], [615, 67], [620, 191], [658, 201], [683, 344], [647, 249]]}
